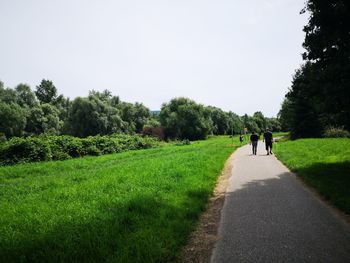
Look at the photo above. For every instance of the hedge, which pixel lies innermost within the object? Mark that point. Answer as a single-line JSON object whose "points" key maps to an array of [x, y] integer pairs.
{"points": [[46, 148]]}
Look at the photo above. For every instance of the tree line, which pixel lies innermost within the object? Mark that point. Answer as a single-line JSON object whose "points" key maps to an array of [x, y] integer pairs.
{"points": [[24, 112], [318, 100]]}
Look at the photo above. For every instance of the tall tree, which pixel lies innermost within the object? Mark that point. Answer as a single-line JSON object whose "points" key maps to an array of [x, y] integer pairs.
{"points": [[220, 120], [46, 92], [320, 93], [13, 119], [260, 120], [286, 115], [25, 96]]}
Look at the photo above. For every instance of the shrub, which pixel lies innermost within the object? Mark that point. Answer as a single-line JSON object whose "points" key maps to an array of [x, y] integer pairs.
{"points": [[23, 150], [186, 142], [336, 132], [157, 132], [46, 147], [2, 137]]}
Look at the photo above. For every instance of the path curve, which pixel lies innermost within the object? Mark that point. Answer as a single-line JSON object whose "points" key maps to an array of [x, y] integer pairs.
{"points": [[270, 216]]}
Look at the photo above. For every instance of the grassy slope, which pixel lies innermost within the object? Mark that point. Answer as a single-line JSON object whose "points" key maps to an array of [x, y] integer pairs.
{"points": [[322, 163], [137, 206]]}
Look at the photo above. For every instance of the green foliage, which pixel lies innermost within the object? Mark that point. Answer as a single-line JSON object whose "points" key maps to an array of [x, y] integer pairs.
{"points": [[2, 137], [43, 118], [260, 121], [221, 121], [305, 115], [286, 115], [250, 124], [185, 119], [25, 96], [13, 119], [323, 164], [138, 206], [320, 93], [46, 92], [273, 124], [46, 147], [101, 113], [336, 132], [235, 123], [7, 95], [22, 150]]}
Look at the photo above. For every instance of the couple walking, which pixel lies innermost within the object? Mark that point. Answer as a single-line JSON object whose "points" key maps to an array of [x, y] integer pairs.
{"points": [[268, 139]]}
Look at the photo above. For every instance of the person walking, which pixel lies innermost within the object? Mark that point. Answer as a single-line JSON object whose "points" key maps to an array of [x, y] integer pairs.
{"points": [[254, 142], [268, 138]]}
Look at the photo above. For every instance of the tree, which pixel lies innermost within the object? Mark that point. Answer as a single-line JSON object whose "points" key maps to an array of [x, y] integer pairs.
{"points": [[46, 92], [91, 116], [142, 115], [25, 96], [306, 115], [7, 95], [183, 118], [13, 119], [273, 124], [250, 124], [327, 44], [235, 123], [260, 120], [320, 93], [43, 118], [220, 120], [286, 115]]}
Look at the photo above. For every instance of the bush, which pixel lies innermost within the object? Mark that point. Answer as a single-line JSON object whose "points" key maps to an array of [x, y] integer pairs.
{"points": [[157, 132], [2, 137], [23, 150], [336, 132], [45, 148]]}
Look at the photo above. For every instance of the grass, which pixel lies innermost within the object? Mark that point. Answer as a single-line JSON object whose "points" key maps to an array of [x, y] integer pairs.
{"points": [[138, 206], [280, 134], [323, 164]]}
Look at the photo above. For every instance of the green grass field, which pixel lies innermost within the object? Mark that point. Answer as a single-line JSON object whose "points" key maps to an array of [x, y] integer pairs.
{"points": [[324, 164], [138, 206]]}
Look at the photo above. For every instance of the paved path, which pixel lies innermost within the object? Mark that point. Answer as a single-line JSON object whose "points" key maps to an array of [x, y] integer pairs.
{"points": [[269, 216]]}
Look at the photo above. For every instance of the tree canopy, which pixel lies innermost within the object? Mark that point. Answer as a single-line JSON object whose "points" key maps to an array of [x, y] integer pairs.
{"points": [[319, 96], [25, 113]]}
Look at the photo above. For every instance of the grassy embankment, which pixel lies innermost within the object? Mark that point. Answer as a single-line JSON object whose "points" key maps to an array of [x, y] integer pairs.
{"points": [[323, 164], [137, 206]]}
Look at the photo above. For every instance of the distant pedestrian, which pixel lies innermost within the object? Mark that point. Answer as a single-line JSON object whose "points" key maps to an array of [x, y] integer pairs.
{"points": [[268, 138], [241, 138], [254, 142]]}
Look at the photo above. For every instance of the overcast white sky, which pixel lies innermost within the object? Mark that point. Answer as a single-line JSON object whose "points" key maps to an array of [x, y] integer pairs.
{"points": [[238, 55]]}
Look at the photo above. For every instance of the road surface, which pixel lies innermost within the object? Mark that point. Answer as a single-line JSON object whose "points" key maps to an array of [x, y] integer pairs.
{"points": [[270, 216]]}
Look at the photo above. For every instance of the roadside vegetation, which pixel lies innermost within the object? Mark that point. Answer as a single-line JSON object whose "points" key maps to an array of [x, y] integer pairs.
{"points": [[317, 102], [137, 206], [24, 113], [46, 148], [323, 164]]}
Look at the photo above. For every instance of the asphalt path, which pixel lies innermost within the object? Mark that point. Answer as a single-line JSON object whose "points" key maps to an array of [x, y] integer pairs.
{"points": [[270, 216]]}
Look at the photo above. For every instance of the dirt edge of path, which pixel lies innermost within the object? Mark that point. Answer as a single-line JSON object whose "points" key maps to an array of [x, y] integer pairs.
{"points": [[202, 240]]}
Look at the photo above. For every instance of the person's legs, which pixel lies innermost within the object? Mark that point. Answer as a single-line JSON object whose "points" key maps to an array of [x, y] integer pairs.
{"points": [[271, 147], [267, 147], [255, 144], [255, 147]]}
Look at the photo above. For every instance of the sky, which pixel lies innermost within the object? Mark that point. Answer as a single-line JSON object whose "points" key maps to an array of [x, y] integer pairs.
{"points": [[238, 55]]}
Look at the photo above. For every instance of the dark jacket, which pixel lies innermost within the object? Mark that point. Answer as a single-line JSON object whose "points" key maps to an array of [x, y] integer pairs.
{"points": [[268, 137], [254, 138]]}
